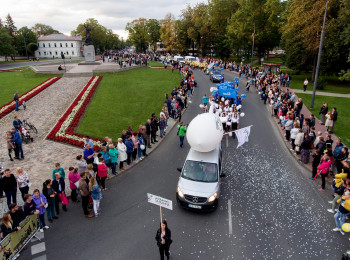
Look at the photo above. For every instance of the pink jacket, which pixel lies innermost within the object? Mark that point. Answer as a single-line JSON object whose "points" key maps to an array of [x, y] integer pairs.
{"points": [[102, 170], [324, 167], [73, 178]]}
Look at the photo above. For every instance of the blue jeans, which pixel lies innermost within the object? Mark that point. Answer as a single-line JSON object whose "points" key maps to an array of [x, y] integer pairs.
{"points": [[161, 132], [17, 104], [11, 194], [340, 219], [42, 220], [50, 210], [181, 140], [19, 150], [114, 166], [139, 152]]}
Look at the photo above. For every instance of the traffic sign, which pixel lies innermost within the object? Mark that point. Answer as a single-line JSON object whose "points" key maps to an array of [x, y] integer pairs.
{"points": [[160, 201]]}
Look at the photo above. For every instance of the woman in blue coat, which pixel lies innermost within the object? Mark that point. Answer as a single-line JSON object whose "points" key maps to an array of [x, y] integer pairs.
{"points": [[41, 205]]}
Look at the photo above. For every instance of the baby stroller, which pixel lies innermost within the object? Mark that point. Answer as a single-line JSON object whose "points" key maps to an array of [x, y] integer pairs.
{"points": [[25, 135]]}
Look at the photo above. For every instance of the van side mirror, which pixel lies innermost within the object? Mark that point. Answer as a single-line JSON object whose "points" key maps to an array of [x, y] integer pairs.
{"points": [[179, 169], [222, 175]]}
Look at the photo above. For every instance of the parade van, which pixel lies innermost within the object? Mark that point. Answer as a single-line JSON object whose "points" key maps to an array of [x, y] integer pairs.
{"points": [[199, 183], [179, 59]]}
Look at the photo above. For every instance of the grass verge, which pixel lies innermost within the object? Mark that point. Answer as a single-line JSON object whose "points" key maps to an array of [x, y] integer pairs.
{"points": [[155, 64], [126, 98], [342, 104], [20, 81]]}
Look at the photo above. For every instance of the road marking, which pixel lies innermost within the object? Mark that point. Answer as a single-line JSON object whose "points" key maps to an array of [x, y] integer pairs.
{"points": [[229, 218], [42, 257], [38, 248], [226, 141]]}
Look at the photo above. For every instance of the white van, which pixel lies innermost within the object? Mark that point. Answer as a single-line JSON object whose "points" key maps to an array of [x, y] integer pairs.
{"points": [[199, 183], [190, 59], [179, 59]]}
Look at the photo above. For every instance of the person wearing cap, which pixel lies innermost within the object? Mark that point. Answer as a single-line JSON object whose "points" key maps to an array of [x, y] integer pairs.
{"points": [[343, 211]]}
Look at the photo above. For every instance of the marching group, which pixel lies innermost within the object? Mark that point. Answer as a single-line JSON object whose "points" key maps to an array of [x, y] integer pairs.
{"points": [[330, 158]]}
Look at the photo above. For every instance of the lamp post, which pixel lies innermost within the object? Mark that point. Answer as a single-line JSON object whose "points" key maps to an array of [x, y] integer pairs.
{"points": [[319, 58], [251, 63]]}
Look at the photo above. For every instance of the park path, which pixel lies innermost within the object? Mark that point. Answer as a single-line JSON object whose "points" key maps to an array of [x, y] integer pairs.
{"points": [[319, 93], [43, 111]]}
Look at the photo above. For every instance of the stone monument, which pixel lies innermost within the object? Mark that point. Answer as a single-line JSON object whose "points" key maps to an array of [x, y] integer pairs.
{"points": [[89, 49]]}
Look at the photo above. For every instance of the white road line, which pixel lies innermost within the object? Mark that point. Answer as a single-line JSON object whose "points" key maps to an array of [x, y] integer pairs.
{"points": [[42, 257], [226, 141], [229, 218], [38, 248]]}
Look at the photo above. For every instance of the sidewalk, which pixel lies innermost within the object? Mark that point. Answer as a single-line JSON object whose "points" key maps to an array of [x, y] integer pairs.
{"points": [[319, 93]]}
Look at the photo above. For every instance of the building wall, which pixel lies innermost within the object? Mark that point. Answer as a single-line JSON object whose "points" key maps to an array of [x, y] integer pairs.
{"points": [[53, 49]]}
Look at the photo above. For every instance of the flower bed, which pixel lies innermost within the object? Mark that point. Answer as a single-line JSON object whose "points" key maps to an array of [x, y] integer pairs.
{"points": [[10, 106], [63, 131]]}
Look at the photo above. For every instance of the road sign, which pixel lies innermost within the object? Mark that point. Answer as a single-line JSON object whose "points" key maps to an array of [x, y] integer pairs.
{"points": [[165, 203]]}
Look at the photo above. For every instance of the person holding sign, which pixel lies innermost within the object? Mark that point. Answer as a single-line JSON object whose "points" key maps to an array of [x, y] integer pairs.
{"points": [[163, 238]]}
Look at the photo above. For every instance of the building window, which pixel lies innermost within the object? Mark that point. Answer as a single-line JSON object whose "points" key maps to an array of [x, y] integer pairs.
{"points": [[49, 45], [61, 45], [66, 44], [71, 44], [72, 51], [43, 44], [50, 53], [55, 45], [56, 52], [39, 53], [44, 52]]}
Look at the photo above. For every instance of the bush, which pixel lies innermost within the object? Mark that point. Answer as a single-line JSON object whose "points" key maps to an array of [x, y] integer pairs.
{"points": [[321, 83]]}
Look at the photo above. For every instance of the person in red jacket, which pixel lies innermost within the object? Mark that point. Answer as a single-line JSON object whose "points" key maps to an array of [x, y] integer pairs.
{"points": [[102, 170], [324, 168]]}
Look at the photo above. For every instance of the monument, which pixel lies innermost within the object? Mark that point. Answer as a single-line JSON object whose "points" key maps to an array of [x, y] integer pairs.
{"points": [[89, 49]]}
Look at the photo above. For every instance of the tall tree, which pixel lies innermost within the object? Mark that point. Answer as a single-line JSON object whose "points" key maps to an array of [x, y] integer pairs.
{"points": [[10, 25], [138, 33], [153, 30], [43, 29], [24, 37], [6, 47], [168, 32]]}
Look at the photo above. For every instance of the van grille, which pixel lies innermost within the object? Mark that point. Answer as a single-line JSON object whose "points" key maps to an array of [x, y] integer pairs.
{"points": [[195, 199]]}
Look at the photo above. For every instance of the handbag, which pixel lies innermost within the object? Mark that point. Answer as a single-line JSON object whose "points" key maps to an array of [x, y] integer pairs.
{"points": [[45, 205], [297, 148], [63, 198]]}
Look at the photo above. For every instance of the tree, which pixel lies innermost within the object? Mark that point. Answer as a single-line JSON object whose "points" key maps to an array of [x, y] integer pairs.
{"points": [[43, 29], [153, 30], [10, 26], [138, 33], [6, 47], [24, 37], [103, 38], [32, 47]]}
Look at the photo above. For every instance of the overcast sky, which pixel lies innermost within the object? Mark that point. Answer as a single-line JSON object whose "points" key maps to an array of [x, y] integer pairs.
{"points": [[65, 15]]}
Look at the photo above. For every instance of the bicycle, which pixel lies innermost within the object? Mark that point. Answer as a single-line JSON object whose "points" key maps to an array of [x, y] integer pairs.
{"points": [[30, 126]]}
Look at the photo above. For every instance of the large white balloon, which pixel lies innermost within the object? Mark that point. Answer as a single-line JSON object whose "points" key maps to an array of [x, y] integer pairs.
{"points": [[204, 133]]}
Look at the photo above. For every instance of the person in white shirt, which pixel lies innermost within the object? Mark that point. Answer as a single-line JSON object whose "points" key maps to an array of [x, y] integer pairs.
{"points": [[306, 82]]}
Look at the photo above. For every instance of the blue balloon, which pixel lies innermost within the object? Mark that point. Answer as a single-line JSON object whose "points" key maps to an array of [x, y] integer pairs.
{"points": [[216, 64], [243, 95], [222, 68], [241, 78], [211, 69]]}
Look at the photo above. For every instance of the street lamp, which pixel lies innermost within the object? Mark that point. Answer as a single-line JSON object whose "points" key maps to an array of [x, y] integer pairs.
{"points": [[319, 58]]}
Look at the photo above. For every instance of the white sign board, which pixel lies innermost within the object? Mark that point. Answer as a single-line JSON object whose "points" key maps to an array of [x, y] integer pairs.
{"points": [[160, 201]]}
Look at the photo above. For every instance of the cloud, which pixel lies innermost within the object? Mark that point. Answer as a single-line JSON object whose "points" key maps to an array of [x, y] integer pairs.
{"points": [[65, 15]]}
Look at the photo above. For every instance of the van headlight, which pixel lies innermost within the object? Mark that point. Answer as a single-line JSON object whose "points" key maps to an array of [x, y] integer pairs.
{"points": [[212, 197], [179, 192]]}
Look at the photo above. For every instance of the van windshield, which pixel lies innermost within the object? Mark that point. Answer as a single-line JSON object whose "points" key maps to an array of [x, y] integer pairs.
{"points": [[200, 171]]}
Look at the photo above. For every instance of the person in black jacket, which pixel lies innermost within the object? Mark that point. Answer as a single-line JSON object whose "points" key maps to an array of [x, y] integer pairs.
{"points": [[17, 214], [154, 128], [163, 238], [315, 163], [148, 133], [8, 226], [29, 207], [9, 186], [58, 185]]}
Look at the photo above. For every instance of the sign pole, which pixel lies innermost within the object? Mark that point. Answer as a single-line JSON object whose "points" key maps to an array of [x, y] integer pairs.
{"points": [[161, 217]]}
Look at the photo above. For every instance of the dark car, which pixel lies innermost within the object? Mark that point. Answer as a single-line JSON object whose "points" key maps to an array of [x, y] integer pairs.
{"points": [[216, 76]]}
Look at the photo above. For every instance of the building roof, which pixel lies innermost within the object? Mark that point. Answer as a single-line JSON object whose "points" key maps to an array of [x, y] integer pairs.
{"points": [[59, 37]]}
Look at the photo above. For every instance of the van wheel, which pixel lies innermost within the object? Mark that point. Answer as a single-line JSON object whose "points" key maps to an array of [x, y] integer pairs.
{"points": [[216, 204]]}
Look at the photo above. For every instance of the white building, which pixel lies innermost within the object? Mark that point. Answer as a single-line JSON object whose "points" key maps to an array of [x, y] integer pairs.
{"points": [[51, 46]]}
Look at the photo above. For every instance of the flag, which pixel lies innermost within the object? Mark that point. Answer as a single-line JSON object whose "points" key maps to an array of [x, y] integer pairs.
{"points": [[211, 65], [242, 135]]}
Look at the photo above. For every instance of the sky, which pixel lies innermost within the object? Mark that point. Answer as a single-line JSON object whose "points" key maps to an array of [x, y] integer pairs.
{"points": [[65, 15]]}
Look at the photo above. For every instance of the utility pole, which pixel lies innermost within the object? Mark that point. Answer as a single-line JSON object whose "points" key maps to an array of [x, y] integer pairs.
{"points": [[251, 64], [319, 57]]}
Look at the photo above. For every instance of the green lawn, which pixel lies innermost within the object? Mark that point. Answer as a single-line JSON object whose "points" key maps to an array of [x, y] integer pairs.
{"points": [[20, 81], [126, 98], [342, 125], [155, 64], [334, 85]]}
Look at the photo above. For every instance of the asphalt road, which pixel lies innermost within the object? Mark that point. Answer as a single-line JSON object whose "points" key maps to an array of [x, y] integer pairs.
{"points": [[277, 213], [13, 65]]}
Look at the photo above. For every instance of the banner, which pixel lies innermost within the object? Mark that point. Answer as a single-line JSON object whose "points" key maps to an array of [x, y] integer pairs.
{"points": [[242, 135], [13, 243], [229, 93]]}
